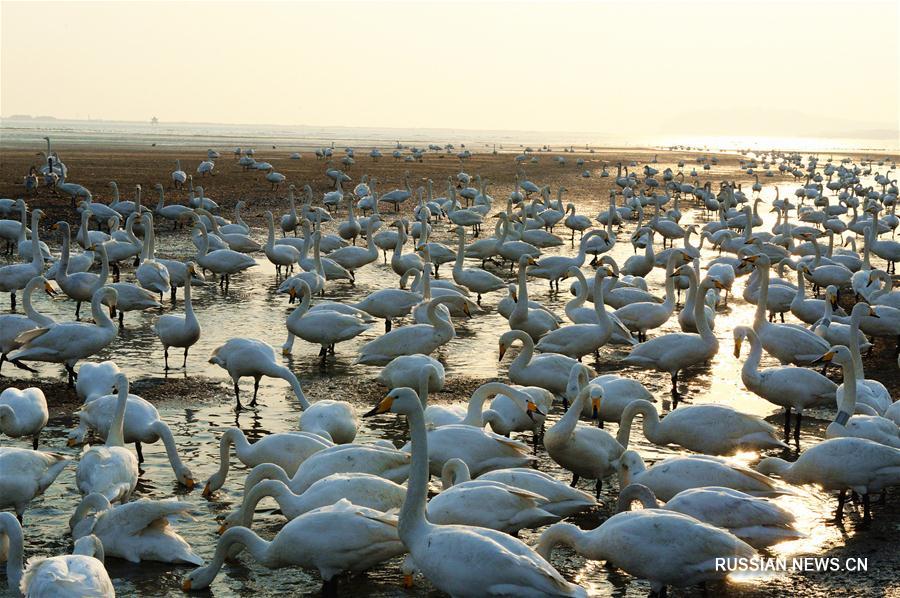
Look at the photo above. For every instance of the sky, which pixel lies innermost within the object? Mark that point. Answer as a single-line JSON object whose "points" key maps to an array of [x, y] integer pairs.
{"points": [[801, 67]]}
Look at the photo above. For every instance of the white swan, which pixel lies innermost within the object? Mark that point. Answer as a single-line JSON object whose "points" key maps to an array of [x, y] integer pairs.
{"points": [[786, 386], [586, 451], [23, 413], [16, 276], [69, 342], [841, 464], [554, 267], [25, 474], [406, 370], [676, 351], [536, 322], [322, 327], [709, 428], [757, 521], [286, 450], [462, 560], [142, 425], [12, 325], [223, 262], [180, 331], [70, 576], [282, 256], [872, 427], [647, 315], [670, 476], [415, 338], [662, 547], [110, 469], [136, 531], [549, 370], [475, 279], [562, 499]]}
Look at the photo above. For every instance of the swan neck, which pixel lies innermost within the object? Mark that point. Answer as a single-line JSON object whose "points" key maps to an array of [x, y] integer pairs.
{"points": [[116, 435], [13, 531], [412, 514]]}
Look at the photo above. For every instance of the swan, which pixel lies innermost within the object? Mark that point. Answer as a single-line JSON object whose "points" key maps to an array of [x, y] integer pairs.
{"points": [[576, 222], [136, 531], [286, 450], [485, 503], [376, 459], [69, 342], [873, 427], [179, 177], [562, 499], [618, 393], [512, 410], [69, 576], [223, 262], [151, 275], [322, 327], [352, 257], [25, 474], [280, 255], [314, 278], [23, 413], [670, 476], [475, 279], [142, 425], [110, 469], [663, 547], [554, 267], [788, 344], [401, 263], [676, 351], [415, 338], [177, 214], [23, 246], [12, 325], [236, 241], [643, 316], [549, 371], [586, 451], [840, 464], [837, 329], [15, 277], [249, 357], [390, 303], [406, 370], [330, 268], [180, 331], [757, 521], [80, 286], [462, 560], [333, 539], [786, 386], [361, 489], [686, 315], [536, 322], [709, 428]]}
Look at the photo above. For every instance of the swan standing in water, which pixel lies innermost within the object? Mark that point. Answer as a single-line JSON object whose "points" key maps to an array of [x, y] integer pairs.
{"points": [[23, 413], [323, 327], [25, 474], [180, 331], [12, 325], [70, 576], [69, 342], [463, 560]]}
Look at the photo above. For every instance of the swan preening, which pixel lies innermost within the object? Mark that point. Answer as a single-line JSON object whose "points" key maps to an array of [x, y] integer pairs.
{"points": [[517, 444]]}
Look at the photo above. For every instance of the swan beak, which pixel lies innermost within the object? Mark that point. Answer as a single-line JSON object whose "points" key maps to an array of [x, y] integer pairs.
{"points": [[595, 412], [186, 585], [207, 491], [71, 442], [737, 348], [222, 529], [531, 261], [466, 310], [293, 293], [825, 358], [502, 351], [189, 483], [407, 581], [55, 226], [382, 407], [48, 288], [872, 313]]}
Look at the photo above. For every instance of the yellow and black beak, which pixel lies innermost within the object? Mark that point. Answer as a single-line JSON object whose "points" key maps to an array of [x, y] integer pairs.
{"points": [[466, 310], [502, 351], [186, 585], [189, 483], [737, 347], [873, 313], [207, 491], [48, 288], [531, 409], [383, 406], [595, 408], [825, 358]]}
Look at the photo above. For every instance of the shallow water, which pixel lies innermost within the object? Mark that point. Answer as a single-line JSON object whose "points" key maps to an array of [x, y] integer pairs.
{"points": [[199, 413]]}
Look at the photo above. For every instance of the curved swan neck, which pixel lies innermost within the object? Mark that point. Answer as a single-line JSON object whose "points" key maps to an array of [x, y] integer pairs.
{"points": [[162, 430], [258, 547], [565, 534], [474, 413], [651, 422], [276, 489], [100, 315], [116, 435], [13, 531]]}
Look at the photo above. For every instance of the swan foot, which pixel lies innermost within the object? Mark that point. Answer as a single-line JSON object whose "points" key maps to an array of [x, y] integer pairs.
{"points": [[21, 365]]}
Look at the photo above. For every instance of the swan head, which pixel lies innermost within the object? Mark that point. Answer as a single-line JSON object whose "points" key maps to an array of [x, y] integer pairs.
{"points": [[629, 464], [838, 354], [401, 400], [185, 477]]}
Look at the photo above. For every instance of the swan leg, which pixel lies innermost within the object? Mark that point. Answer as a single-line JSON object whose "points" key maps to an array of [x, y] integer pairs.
{"points": [[387, 325], [72, 376], [797, 429], [839, 514], [34, 443], [22, 366], [77, 311], [787, 423], [867, 515], [12, 298], [598, 487], [255, 391], [121, 319], [237, 396], [173, 293], [166, 358], [574, 480], [184, 364], [140, 452]]}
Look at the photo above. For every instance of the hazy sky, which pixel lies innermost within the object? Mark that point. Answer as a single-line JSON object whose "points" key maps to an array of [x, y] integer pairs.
{"points": [[613, 66]]}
